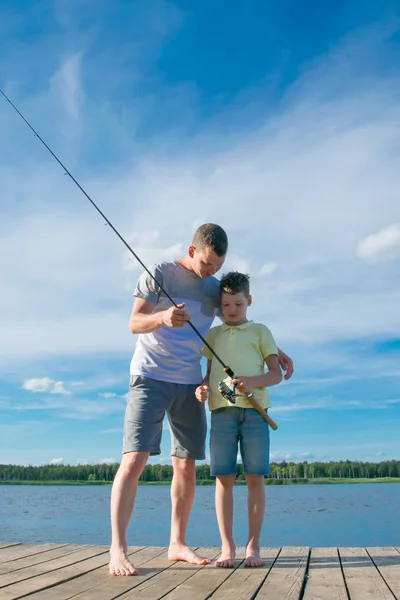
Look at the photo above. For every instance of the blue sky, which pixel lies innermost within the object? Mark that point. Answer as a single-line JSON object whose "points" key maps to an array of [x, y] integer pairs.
{"points": [[281, 123]]}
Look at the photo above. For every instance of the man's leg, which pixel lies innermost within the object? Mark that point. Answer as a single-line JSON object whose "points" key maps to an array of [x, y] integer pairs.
{"points": [[224, 508], [123, 496], [256, 508], [144, 416], [182, 496]]}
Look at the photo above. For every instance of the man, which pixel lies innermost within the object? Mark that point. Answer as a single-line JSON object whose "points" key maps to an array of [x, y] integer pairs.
{"points": [[165, 371]]}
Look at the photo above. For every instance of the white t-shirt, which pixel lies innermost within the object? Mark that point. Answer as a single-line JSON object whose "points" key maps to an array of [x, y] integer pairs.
{"points": [[173, 354]]}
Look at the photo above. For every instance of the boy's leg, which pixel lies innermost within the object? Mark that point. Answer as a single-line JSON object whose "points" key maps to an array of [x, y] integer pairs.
{"points": [[224, 509], [254, 448], [188, 425], [144, 416], [223, 446], [256, 509]]}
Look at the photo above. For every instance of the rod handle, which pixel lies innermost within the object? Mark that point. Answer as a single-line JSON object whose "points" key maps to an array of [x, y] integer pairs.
{"points": [[262, 412]]}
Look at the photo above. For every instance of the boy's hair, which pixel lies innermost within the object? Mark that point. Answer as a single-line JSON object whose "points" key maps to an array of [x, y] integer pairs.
{"points": [[211, 236], [234, 283]]}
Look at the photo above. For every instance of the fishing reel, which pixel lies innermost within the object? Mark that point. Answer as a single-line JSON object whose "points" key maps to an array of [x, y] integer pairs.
{"points": [[227, 393]]}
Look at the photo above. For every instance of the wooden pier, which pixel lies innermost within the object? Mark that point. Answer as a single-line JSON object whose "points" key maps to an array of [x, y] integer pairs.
{"points": [[62, 571]]}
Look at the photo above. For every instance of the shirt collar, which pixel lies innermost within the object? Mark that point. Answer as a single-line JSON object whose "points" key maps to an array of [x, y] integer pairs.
{"points": [[225, 327]]}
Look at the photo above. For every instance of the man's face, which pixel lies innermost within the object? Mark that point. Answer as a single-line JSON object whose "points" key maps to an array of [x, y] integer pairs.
{"points": [[205, 262]]}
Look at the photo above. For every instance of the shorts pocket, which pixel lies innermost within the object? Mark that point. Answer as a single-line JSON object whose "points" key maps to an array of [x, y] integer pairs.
{"points": [[133, 380]]}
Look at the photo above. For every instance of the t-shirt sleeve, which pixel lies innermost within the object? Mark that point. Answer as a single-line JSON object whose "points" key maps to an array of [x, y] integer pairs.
{"points": [[210, 340], [147, 288], [267, 342]]}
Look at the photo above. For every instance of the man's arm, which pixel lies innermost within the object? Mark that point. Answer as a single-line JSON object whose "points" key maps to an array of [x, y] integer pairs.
{"points": [[144, 320], [202, 390], [286, 364]]}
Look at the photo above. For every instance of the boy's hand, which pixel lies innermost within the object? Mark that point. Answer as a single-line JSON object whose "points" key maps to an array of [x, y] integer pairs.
{"points": [[244, 385], [201, 393]]}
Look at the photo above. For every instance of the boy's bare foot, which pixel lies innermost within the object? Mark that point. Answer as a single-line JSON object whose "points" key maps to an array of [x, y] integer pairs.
{"points": [[253, 558], [120, 563], [227, 558], [183, 552]]}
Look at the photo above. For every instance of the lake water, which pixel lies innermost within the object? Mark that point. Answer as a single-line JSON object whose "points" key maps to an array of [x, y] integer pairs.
{"points": [[311, 515]]}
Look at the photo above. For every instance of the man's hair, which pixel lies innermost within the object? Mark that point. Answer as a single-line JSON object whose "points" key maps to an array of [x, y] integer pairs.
{"points": [[234, 283], [211, 236]]}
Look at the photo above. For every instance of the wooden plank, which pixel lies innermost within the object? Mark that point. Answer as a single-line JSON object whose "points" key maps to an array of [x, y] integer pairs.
{"points": [[362, 578], [168, 579], [60, 560], [38, 559], [98, 584], [206, 580], [9, 544], [29, 551], [387, 560], [241, 583], [286, 578], [37, 577], [325, 578]]}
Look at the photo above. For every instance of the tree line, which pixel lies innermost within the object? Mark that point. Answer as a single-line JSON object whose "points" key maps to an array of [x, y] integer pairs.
{"points": [[280, 472]]}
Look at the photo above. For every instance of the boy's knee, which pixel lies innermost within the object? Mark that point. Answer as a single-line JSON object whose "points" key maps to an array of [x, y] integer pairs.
{"points": [[255, 480], [226, 480]]}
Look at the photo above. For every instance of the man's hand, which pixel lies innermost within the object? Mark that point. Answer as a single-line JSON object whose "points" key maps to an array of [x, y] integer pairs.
{"points": [[286, 364], [201, 393], [244, 385], [175, 317]]}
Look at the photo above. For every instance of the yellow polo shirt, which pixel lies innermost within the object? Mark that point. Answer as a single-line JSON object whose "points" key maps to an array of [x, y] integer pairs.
{"points": [[244, 348]]}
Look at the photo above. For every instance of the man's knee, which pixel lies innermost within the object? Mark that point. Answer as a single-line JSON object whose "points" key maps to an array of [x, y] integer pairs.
{"points": [[133, 463], [184, 467]]}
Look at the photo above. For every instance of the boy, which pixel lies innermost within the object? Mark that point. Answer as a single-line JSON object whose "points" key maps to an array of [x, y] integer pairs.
{"points": [[245, 346]]}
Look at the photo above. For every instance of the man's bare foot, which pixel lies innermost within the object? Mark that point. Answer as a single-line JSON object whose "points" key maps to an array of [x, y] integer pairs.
{"points": [[120, 563], [253, 558], [227, 558], [183, 552]]}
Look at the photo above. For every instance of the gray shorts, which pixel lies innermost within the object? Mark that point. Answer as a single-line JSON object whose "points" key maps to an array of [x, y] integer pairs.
{"points": [[148, 401]]}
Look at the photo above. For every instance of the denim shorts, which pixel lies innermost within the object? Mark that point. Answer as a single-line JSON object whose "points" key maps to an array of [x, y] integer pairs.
{"points": [[233, 426], [148, 401]]}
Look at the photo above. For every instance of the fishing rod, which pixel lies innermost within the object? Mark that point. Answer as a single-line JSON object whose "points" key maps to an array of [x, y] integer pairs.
{"points": [[227, 369], [229, 396]]}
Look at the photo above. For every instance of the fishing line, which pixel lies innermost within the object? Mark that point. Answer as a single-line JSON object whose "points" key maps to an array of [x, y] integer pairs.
{"points": [[226, 368]]}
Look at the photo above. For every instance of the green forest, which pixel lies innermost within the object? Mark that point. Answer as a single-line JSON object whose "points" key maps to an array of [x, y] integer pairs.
{"points": [[281, 473]]}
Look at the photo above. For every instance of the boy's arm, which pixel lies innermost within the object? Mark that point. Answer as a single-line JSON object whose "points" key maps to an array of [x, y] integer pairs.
{"points": [[286, 363], [274, 376]]}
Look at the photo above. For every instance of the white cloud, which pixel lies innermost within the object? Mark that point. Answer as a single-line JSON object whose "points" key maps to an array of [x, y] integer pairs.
{"points": [[267, 269], [56, 461], [113, 430], [381, 246], [67, 82], [297, 191], [108, 461], [108, 395], [45, 384]]}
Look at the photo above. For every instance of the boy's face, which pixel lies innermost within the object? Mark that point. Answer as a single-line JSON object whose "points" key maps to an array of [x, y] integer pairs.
{"points": [[234, 308]]}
